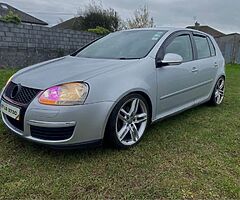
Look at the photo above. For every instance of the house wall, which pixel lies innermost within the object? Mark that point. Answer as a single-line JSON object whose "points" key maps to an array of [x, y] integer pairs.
{"points": [[23, 45], [230, 47]]}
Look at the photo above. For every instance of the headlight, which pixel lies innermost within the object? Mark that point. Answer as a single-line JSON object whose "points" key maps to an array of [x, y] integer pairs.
{"points": [[66, 94]]}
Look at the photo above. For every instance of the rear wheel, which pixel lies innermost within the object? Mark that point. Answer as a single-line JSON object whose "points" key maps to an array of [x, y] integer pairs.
{"points": [[218, 92], [128, 122]]}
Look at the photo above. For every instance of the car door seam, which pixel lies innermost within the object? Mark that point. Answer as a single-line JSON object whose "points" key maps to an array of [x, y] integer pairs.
{"points": [[187, 89]]}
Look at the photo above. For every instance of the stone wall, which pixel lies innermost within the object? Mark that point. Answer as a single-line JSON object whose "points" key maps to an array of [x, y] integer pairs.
{"points": [[23, 45]]}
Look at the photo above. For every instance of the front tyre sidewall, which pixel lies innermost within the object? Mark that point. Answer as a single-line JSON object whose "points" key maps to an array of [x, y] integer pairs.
{"points": [[111, 134]]}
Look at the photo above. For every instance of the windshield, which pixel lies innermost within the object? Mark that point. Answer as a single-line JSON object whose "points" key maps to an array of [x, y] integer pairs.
{"points": [[123, 45]]}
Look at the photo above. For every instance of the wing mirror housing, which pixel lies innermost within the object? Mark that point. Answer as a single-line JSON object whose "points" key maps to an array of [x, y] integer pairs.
{"points": [[170, 59]]}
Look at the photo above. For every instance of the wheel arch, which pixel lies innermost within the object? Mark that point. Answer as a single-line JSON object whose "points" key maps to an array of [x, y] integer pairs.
{"points": [[215, 82], [140, 92]]}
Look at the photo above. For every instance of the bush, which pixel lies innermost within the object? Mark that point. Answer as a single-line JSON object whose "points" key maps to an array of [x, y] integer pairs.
{"points": [[11, 18], [99, 30], [95, 15]]}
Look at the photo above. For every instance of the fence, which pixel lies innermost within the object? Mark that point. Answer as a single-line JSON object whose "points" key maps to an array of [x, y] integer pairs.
{"points": [[230, 47], [23, 45]]}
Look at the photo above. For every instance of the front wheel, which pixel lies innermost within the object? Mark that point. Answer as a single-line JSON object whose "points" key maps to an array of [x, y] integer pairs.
{"points": [[128, 122], [218, 92]]}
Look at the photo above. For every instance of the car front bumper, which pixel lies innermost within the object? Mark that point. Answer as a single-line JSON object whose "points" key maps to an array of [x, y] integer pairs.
{"points": [[87, 123]]}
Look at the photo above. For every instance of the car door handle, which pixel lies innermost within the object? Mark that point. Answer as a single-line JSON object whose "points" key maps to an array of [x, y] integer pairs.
{"points": [[215, 64], [194, 69]]}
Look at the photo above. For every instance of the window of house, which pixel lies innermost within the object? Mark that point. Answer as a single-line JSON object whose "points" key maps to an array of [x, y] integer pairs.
{"points": [[4, 6]]}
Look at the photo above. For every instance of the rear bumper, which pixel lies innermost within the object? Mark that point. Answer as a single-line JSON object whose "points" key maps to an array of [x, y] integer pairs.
{"points": [[88, 123]]}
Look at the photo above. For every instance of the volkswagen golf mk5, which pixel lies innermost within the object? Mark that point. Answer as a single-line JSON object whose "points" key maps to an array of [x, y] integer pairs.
{"points": [[113, 88]]}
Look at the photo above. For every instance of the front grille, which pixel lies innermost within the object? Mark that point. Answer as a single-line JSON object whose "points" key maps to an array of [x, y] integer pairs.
{"points": [[16, 123], [44, 133], [24, 95], [22, 98], [19, 124]]}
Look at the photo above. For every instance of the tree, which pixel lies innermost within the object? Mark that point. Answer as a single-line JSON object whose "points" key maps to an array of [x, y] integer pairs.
{"points": [[94, 15], [141, 19], [11, 18]]}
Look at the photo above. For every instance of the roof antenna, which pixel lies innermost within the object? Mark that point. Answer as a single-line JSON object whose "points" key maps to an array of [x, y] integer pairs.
{"points": [[196, 21]]}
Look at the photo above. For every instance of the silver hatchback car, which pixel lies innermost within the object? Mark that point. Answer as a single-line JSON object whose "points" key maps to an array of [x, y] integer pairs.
{"points": [[113, 88]]}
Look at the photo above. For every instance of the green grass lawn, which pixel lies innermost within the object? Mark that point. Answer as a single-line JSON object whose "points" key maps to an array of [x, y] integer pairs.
{"points": [[194, 155]]}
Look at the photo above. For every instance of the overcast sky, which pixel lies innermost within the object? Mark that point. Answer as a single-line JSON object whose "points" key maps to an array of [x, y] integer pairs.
{"points": [[223, 15]]}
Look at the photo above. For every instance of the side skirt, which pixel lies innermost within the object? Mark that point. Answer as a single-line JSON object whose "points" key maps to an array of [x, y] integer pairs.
{"points": [[161, 118]]}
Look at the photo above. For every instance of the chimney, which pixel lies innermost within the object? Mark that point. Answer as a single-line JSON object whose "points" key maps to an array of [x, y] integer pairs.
{"points": [[197, 24]]}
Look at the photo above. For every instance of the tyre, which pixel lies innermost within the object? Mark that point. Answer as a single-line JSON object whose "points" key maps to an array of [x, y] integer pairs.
{"points": [[127, 122], [218, 92]]}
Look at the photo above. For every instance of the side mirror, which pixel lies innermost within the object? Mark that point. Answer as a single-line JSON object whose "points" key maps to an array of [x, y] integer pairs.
{"points": [[171, 59]]}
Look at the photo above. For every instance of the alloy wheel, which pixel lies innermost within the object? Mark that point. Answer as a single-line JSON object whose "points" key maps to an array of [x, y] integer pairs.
{"points": [[219, 91], [131, 121]]}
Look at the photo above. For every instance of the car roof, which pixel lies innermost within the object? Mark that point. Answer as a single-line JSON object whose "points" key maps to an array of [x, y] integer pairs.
{"points": [[169, 29]]}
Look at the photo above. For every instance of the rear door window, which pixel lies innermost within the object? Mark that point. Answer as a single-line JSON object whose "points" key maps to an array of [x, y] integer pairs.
{"points": [[203, 49]]}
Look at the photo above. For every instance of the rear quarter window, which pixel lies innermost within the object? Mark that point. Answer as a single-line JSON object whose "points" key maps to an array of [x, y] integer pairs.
{"points": [[212, 48]]}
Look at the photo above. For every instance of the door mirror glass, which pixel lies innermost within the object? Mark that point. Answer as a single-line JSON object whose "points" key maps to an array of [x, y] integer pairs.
{"points": [[172, 59]]}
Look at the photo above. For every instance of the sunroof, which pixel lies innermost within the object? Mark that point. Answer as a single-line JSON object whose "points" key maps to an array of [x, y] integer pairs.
{"points": [[4, 6]]}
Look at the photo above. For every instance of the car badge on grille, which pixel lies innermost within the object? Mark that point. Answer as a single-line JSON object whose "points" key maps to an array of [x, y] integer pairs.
{"points": [[15, 91]]}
